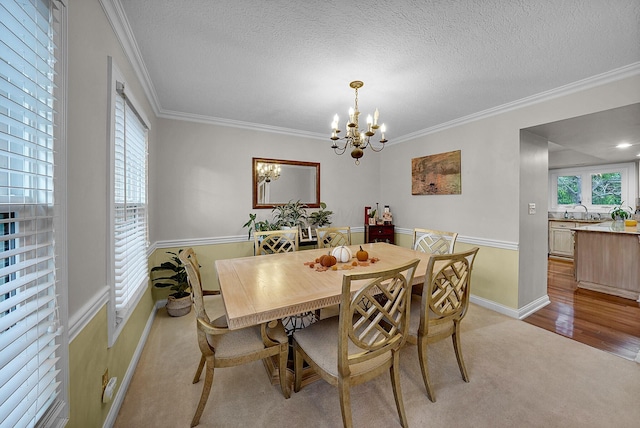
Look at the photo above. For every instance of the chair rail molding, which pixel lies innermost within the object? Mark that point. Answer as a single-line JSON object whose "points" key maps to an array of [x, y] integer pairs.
{"points": [[87, 312]]}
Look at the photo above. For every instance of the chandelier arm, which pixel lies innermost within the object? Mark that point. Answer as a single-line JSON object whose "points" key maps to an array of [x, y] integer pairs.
{"points": [[374, 149], [339, 150]]}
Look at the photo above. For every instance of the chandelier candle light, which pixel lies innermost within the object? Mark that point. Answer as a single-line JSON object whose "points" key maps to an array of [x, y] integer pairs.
{"points": [[356, 139], [268, 171]]}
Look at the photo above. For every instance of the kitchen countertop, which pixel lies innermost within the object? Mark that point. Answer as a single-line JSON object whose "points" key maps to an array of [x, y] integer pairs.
{"points": [[607, 227], [579, 220]]}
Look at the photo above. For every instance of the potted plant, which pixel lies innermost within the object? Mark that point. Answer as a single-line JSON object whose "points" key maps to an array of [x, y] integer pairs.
{"points": [[619, 213], [292, 214], [254, 225], [175, 277], [372, 217], [321, 217]]}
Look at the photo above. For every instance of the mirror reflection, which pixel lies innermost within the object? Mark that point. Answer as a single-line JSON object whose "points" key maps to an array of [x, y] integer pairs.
{"points": [[277, 181]]}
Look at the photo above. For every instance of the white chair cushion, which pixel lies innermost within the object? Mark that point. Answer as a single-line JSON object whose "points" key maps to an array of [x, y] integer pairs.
{"points": [[320, 342]]}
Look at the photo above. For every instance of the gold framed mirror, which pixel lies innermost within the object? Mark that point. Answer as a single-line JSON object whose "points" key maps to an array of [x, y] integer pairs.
{"points": [[278, 181]]}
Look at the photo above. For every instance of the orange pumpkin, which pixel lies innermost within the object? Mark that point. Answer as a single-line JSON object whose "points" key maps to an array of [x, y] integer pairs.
{"points": [[362, 255], [328, 260]]}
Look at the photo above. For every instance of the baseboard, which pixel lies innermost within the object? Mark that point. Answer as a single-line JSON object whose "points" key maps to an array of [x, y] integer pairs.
{"points": [[534, 306], [520, 313], [126, 381]]}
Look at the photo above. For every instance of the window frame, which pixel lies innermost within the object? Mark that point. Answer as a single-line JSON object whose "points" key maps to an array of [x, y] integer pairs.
{"points": [[628, 185], [117, 319], [54, 411]]}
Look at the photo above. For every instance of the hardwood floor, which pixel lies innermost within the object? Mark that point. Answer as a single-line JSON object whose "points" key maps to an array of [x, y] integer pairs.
{"points": [[605, 322]]}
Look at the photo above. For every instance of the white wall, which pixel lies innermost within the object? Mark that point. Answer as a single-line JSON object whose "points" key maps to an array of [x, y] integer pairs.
{"points": [[489, 207], [91, 40], [485, 209], [534, 166], [204, 178]]}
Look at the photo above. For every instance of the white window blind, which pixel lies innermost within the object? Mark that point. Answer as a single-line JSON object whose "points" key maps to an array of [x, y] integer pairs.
{"points": [[30, 380], [130, 204]]}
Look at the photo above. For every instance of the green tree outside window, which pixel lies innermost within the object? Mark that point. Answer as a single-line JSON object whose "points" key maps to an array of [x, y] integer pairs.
{"points": [[569, 190], [606, 189]]}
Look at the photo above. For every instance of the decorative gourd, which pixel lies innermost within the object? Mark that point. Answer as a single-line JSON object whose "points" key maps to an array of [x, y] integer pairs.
{"points": [[362, 255], [342, 254], [327, 260]]}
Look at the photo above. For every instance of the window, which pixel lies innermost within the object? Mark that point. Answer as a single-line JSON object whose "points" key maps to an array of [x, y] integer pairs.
{"points": [[128, 140], [32, 353], [599, 188]]}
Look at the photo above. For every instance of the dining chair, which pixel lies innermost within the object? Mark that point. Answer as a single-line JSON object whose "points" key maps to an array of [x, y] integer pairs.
{"points": [[284, 241], [275, 241], [438, 312], [214, 303], [365, 339], [333, 236], [434, 241], [221, 347]]}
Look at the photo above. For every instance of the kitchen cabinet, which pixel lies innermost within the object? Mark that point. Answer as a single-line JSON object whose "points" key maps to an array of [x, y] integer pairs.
{"points": [[561, 238], [379, 233], [606, 260]]}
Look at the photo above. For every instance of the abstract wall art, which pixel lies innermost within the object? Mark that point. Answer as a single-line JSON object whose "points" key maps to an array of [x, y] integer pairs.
{"points": [[436, 174]]}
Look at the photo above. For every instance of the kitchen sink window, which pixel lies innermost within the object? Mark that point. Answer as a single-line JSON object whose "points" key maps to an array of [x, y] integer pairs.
{"points": [[598, 188]]}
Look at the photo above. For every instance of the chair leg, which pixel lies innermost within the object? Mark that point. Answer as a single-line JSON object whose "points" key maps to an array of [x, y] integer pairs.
{"points": [[424, 366], [394, 370], [282, 370], [458, 350], [344, 386], [297, 367], [206, 389], [196, 378]]}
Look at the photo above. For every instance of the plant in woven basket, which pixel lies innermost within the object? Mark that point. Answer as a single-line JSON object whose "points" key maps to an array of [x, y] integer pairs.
{"points": [[175, 276]]}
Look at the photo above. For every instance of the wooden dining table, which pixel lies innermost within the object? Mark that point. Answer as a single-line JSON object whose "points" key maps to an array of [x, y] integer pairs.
{"points": [[260, 289]]}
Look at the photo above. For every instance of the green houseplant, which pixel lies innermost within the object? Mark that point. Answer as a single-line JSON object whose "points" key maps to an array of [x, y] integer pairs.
{"points": [[291, 214], [261, 225], [321, 217], [173, 275], [621, 213]]}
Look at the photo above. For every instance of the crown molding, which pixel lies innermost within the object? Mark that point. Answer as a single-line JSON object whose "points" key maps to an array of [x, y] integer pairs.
{"points": [[580, 85], [176, 115], [117, 18]]}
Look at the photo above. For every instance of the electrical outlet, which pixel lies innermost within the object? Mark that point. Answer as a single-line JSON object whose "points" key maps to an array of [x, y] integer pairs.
{"points": [[532, 208], [105, 381]]}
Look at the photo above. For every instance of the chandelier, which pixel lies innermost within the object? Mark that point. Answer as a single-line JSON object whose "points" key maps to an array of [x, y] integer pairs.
{"points": [[268, 172], [357, 140]]}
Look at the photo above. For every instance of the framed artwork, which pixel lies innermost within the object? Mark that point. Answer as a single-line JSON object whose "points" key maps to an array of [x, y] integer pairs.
{"points": [[436, 174], [307, 233]]}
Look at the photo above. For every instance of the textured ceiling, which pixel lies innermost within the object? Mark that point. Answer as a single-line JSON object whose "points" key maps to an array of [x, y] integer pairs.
{"points": [[286, 65]]}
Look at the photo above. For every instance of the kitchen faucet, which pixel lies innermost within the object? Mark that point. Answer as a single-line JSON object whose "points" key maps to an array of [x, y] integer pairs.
{"points": [[586, 211]]}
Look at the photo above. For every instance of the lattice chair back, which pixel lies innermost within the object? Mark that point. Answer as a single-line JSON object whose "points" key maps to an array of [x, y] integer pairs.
{"points": [[376, 319], [275, 241], [333, 236], [447, 290], [434, 241], [192, 268]]}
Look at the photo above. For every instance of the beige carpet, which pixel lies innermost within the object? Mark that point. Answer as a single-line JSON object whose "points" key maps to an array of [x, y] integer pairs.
{"points": [[521, 376]]}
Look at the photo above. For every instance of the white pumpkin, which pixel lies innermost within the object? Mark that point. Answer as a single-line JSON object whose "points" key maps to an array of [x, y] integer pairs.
{"points": [[342, 254]]}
